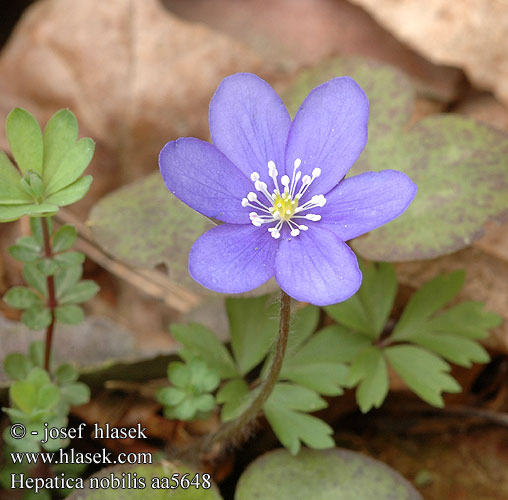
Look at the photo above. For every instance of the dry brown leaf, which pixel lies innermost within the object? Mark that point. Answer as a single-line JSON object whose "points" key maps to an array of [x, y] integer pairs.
{"points": [[290, 34], [470, 34], [135, 75]]}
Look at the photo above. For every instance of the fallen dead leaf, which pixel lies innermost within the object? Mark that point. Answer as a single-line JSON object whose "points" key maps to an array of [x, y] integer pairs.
{"points": [[135, 75], [469, 34]]}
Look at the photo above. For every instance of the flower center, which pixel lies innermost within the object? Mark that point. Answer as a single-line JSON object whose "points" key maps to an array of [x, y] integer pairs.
{"points": [[283, 204]]}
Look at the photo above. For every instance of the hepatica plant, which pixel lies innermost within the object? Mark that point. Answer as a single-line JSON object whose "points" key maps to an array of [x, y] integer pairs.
{"points": [[277, 186]]}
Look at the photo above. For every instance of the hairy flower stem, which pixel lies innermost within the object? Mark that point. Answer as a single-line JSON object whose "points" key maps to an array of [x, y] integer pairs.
{"points": [[236, 431], [51, 293]]}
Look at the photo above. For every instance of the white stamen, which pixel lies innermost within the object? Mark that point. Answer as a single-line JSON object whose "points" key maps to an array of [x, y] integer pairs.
{"points": [[286, 209], [313, 217]]}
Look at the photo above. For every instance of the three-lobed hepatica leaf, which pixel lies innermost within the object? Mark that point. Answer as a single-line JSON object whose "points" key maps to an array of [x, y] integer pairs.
{"points": [[459, 165], [420, 345], [50, 165]]}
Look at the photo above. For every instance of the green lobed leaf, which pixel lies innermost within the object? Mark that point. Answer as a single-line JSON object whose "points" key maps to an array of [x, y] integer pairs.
{"points": [[25, 140], [75, 394], [369, 370], [283, 411], [36, 352], [66, 279], [426, 301], [12, 212], [36, 317], [17, 366], [72, 166], [35, 278], [36, 229], [11, 192], [72, 193], [69, 314], [60, 135], [47, 266], [66, 373], [186, 410], [202, 377], [81, 292], [253, 324], [23, 395], [21, 297], [179, 374], [467, 319], [232, 396], [368, 310], [26, 249], [295, 397], [425, 373], [322, 475], [171, 396], [48, 396], [69, 259], [64, 238], [459, 350], [203, 343], [316, 365], [292, 428]]}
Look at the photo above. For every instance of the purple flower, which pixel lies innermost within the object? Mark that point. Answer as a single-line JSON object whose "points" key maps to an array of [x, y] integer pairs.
{"points": [[278, 186]]}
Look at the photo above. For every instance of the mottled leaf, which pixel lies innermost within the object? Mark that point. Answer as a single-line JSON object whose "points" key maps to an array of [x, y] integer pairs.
{"points": [[459, 165], [162, 229], [322, 475]]}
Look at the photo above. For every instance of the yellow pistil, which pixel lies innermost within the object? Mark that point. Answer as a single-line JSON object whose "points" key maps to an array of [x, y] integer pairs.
{"points": [[285, 206]]}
